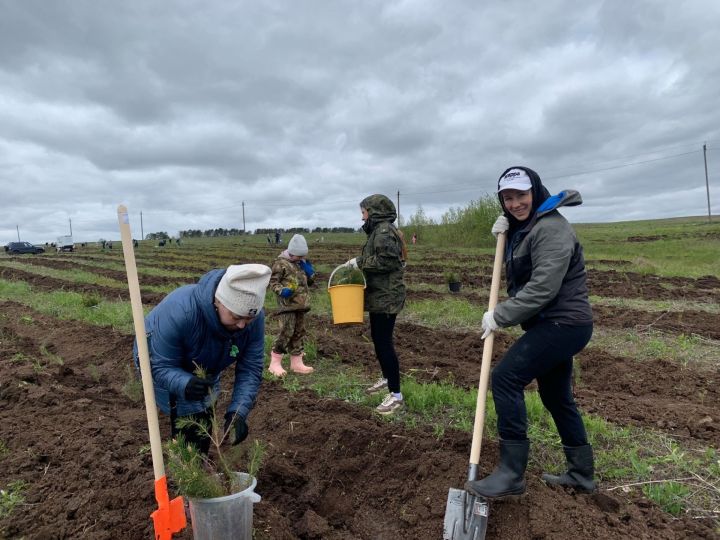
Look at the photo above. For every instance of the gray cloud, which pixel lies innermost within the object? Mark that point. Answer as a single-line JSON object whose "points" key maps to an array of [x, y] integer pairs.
{"points": [[300, 110]]}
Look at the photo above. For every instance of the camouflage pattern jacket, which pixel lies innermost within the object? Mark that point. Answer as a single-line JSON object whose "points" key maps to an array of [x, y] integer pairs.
{"points": [[286, 273], [381, 259]]}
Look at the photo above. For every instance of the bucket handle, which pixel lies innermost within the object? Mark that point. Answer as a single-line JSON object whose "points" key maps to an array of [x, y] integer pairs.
{"points": [[338, 268], [254, 497]]}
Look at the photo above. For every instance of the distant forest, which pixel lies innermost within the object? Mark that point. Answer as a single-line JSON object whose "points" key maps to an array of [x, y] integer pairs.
{"points": [[214, 233]]}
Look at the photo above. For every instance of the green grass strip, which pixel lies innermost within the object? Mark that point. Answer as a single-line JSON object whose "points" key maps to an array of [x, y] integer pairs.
{"points": [[79, 276], [71, 306]]}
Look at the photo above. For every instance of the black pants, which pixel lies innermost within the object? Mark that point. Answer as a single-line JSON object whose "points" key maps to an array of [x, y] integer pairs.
{"points": [[545, 352], [191, 434], [381, 331]]}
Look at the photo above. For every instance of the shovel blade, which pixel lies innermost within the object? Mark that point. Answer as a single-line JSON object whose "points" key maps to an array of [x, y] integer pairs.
{"points": [[466, 516]]}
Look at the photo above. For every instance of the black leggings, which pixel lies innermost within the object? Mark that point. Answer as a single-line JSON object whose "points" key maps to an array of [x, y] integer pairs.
{"points": [[545, 352], [381, 331]]}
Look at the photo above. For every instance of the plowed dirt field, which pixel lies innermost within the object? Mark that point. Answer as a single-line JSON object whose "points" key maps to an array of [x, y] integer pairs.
{"points": [[332, 470]]}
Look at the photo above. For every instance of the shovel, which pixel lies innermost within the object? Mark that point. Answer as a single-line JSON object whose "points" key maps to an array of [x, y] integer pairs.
{"points": [[170, 517], [466, 515]]}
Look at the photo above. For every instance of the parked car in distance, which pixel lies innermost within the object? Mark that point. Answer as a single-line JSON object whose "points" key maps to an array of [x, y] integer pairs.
{"points": [[16, 248]]}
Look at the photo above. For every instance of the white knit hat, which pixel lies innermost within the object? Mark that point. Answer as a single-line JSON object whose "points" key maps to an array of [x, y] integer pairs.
{"points": [[298, 246], [242, 288]]}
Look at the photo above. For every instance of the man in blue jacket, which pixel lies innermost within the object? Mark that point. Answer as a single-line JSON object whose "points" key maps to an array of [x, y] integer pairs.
{"points": [[210, 325]]}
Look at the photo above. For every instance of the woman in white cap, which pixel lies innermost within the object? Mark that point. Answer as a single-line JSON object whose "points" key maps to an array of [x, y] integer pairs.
{"points": [[292, 274], [548, 298], [213, 324]]}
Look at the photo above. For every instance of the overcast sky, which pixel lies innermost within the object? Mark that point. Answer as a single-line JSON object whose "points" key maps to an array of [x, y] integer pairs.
{"points": [[182, 110]]}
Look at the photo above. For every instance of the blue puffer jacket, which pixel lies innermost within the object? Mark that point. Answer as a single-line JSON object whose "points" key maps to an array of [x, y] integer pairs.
{"points": [[184, 330]]}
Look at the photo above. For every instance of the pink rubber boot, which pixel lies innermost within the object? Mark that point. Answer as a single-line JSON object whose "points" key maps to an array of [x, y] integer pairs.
{"points": [[276, 364], [297, 365]]}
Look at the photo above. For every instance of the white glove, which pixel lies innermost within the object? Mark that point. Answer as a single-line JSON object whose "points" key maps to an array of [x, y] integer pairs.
{"points": [[488, 324], [501, 225], [352, 263]]}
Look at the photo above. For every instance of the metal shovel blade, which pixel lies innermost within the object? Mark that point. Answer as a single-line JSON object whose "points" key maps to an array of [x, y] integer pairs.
{"points": [[466, 516]]}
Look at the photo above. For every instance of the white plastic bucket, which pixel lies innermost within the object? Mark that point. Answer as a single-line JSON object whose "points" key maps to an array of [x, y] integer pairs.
{"points": [[224, 518]]}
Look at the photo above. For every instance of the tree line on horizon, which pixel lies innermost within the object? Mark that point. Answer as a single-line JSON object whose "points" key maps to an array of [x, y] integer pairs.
{"points": [[465, 227]]}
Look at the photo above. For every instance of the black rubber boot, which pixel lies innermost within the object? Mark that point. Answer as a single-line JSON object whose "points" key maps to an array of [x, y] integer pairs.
{"points": [[508, 478], [581, 469]]}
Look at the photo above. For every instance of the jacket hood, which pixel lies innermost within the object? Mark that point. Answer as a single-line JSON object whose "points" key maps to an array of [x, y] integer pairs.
{"points": [[539, 193], [567, 197], [379, 208], [205, 297]]}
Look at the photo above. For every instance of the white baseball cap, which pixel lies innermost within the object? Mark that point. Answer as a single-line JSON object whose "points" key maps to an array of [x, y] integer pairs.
{"points": [[515, 179]]}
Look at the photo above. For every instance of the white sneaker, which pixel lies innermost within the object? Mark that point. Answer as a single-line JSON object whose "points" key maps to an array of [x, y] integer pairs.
{"points": [[379, 386], [389, 405]]}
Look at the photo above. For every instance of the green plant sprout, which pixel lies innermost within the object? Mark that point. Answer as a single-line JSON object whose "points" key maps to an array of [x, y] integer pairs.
{"points": [[195, 474]]}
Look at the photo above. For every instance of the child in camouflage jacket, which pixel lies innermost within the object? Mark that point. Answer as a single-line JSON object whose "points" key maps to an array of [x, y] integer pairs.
{"points": [[291, 276]]}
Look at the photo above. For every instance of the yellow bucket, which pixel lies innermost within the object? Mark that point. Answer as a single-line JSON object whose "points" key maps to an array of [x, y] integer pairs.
{"points": [[347, 301]]}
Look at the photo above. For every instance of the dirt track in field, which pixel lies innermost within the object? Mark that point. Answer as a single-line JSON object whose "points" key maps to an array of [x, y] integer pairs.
{"points": [[333, 470]]}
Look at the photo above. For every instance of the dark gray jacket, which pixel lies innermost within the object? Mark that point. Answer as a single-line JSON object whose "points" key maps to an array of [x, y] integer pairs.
{"points": [[544, 266]]}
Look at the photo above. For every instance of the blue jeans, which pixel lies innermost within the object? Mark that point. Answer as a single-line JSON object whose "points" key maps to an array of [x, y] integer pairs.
{"points": [[545, 352]]}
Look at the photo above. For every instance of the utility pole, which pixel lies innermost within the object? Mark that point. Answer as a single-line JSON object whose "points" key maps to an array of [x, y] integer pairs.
{"points": [[18, 231], [142, 234], [243, 207], [398, 209], [70, 220], [707, 183]]}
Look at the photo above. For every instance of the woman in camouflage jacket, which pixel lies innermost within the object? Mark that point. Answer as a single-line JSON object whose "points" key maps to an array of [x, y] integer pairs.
{"points": [[383, 265]]}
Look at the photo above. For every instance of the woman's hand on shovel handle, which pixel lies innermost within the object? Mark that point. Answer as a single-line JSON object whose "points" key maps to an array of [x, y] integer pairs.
{"points": [[488, 323]]}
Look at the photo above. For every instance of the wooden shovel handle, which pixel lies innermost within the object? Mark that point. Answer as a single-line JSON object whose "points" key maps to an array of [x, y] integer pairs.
{"points": [[139, 321], [487, 355]]}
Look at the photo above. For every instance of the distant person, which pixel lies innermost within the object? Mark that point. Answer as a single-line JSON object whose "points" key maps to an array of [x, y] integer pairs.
{"points": [[135, 243], [214, 324], [548, 298], [269, 239], [292, 274], [382, 263], [277, 238], [414, 238]]}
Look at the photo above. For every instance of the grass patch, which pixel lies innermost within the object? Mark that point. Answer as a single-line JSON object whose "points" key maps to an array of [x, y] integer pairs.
{"points": [[81, 276], [11, 496], [69, 305], [133, 387], [655, 306], [688, 351], [50, 356], [451, 312], [94, 372]]}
